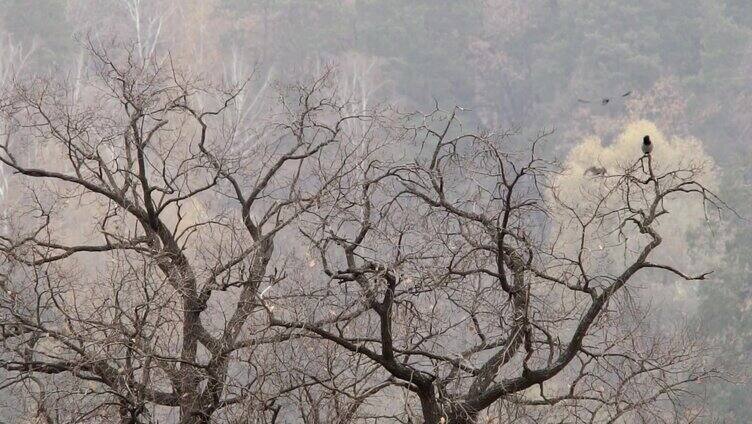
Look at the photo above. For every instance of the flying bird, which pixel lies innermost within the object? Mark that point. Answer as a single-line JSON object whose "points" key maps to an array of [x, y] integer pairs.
{"points": [[595, 170], [606, 100], [647, 145]]}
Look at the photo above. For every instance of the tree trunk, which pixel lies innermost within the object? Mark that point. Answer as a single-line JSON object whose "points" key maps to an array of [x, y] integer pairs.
{"points": [[434, 410]]}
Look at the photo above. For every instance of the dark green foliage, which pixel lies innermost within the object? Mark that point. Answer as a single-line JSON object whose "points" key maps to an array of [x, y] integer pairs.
{"points": [[726, 308]]}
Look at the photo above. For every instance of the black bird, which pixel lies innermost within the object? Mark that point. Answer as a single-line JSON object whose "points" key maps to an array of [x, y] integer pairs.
{"points": [[606, 100], [647, 145]]}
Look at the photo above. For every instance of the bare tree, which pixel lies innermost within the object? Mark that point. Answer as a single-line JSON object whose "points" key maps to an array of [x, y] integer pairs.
{"points": [[14, 59], [146, 26], [478, 290], [166, 259], [142, 240]]}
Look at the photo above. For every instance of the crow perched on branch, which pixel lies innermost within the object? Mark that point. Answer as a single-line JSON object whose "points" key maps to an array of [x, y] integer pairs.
{"points": [[647, 145]]}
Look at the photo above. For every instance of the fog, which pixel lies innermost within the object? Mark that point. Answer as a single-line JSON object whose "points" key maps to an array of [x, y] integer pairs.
{"points": [[451, 187]]}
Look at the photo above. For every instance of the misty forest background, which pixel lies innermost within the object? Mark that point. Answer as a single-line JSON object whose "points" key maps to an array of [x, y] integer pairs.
{"points": [[514, 64]]}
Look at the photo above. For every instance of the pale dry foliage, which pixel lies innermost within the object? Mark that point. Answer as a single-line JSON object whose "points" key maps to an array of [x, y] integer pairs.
{"points": [[691, 224]]}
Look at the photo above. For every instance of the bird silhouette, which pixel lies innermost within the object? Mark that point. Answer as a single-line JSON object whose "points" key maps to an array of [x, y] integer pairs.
{"points": [[647, 145], [605, 100]]}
